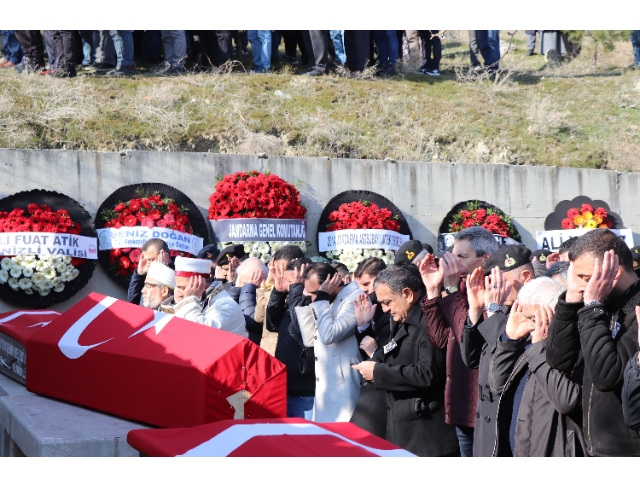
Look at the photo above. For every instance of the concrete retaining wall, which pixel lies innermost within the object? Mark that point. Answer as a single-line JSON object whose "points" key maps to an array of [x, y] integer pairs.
{"points": [[423, 191]]}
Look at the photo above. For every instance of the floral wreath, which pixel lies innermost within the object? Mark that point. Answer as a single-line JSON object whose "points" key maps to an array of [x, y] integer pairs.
{"points": [[255, 194], [586, 217], [150, 205], [479, 214], [361, 210], [582, 213], [39, 281]]}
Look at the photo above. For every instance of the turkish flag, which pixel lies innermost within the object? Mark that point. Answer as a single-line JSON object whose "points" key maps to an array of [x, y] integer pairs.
{"points": [[15, 328], [152, 367], [287, 437]]}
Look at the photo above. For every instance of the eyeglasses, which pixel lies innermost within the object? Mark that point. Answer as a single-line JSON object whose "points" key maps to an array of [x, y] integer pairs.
{"points": [[148, 285]]}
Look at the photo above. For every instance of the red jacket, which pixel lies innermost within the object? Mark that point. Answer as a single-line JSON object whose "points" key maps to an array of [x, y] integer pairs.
{"points": [[445, 321]]}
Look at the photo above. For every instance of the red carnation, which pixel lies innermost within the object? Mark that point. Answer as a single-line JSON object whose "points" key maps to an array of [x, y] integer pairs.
{"points": [[119, 207], [160, 223], [155, 215], [169, 218], [130, 221], [147, 222], [468, 223], [135, 255], [134, 206]]}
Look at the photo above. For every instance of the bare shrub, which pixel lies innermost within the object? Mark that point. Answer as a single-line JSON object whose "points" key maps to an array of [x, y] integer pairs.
{"points": [[545, 119], [255, 143]]}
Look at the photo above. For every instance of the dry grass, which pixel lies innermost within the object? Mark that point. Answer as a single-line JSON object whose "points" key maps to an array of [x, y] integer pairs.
{"points": [[545, 120], [573, 114]]}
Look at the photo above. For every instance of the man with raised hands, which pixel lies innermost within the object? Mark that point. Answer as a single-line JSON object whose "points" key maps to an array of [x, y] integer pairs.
{"points": [[196, 301], [158, 286], [540, 407], [446, 316], [595, 322], [491, 291], [153, 250]]}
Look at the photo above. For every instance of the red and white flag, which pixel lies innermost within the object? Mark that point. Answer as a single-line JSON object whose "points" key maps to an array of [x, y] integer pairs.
{"points": [[15, 328], [152, 367], [287, 437]]}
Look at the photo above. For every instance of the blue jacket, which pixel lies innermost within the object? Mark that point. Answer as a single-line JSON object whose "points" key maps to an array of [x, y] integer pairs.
{"points": [[246, 298], [134, 294]]}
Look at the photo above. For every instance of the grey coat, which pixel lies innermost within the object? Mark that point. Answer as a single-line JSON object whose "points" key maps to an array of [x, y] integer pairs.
{"points": [[550, 415], [336, 348], [477, 348]]}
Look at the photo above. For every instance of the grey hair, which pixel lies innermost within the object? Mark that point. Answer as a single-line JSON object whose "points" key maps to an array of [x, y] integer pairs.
{"points": [[560, 269], [250, 265], [482, 240], [397, 278], [541, 291]]}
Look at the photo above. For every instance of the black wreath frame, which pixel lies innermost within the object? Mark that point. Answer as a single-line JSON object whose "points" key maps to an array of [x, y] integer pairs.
{"points": [[201, 227], [57, 201], [444, 226], [357, 195], [554, 220]]}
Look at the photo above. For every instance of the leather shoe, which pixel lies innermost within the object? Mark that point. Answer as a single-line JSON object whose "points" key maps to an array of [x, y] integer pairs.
{"points": [[315, 72]]}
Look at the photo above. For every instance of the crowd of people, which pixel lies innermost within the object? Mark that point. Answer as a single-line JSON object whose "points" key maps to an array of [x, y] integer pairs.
{"points": [[62, 53], [486, 351]]}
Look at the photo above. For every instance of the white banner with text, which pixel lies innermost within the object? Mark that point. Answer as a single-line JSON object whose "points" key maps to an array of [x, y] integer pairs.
{"points": [[135, 237], [42, 243], [360, 239], [552, 239]]}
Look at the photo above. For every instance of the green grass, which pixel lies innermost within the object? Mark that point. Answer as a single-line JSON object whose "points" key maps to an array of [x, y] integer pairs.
{"points": [[573, 115]]}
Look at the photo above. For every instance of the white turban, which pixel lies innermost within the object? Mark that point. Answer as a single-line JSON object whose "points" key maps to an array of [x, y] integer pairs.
{"points": [[186, 267], [162, 274]]}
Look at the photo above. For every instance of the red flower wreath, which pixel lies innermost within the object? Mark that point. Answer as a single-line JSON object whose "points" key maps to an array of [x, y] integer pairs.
{"points": [[149, 211], [255, 195], [362, 215], [474, 216], [40, 218]]}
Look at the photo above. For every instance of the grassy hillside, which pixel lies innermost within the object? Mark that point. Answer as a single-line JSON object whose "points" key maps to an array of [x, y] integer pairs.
{"points": [[575, 114]]}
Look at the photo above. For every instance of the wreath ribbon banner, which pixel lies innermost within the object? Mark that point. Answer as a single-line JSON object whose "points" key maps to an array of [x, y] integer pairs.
{"points": [[135, 237], [259, 230], [361, 239], [552, 239], [44, 243]]}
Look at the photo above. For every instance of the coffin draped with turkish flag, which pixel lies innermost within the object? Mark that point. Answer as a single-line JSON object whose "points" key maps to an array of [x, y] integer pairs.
{"points": [[287, 437], [152, 367], [15, 328]]}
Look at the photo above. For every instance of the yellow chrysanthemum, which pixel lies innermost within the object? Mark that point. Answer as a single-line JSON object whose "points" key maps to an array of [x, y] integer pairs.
{"points": [[591, 224], [579, 220], [587, 215]]}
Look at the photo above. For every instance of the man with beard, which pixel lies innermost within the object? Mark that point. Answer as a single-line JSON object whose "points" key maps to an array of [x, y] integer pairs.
{"points": [[595, 322], [371, 411], [446, 317], [490, 293], [153, 250], [158, 286], [195, 301]]}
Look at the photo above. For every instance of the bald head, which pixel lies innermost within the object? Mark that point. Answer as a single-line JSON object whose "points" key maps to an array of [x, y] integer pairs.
{"points": [[248, 268]]}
